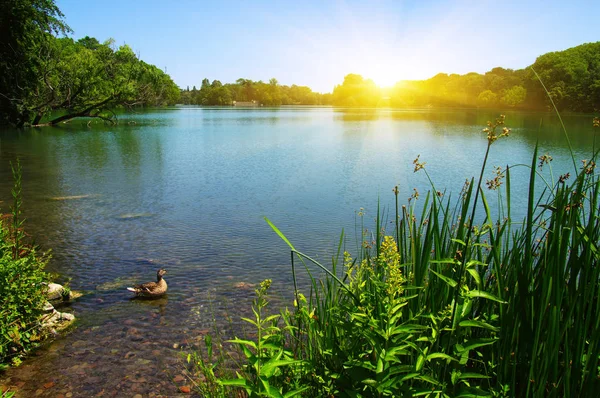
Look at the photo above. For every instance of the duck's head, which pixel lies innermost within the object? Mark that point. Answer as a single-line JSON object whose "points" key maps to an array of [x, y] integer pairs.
{"points": [[160, 273]]}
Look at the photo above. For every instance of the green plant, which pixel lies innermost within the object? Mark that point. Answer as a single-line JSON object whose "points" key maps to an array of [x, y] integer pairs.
{"points": [[270, 365], [65, 293], [204, 367], [21, 289], [485, 307], [7, 394], [457, 300]]}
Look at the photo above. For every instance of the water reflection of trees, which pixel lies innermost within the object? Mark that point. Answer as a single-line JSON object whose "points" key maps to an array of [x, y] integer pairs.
{"points": [[532, 126]]}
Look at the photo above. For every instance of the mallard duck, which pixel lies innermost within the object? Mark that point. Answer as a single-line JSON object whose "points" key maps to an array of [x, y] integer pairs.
{"points": [[151, 289]]}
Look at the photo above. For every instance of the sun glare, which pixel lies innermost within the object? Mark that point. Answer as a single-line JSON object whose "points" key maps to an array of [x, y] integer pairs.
{"points": [[383, 80], [384, 74]]}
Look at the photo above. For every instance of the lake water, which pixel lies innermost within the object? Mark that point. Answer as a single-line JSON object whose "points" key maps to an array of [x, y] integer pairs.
{"points": [[187, 189]]}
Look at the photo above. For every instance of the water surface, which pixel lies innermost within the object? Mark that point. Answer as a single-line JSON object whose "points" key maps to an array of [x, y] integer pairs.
{"points": [[186, 189]]}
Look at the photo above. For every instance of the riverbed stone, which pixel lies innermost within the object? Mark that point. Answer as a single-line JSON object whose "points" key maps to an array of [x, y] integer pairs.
{"points": [[55, 321], [54, 291], [48, 307]]}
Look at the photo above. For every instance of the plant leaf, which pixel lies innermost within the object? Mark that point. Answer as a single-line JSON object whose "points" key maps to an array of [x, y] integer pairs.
{"points": [[449, 281], [483, 294]]}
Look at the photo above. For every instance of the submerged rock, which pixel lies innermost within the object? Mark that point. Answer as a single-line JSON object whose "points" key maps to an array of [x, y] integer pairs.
{"points": [[131, 216], [73, 197], [117, 283]]}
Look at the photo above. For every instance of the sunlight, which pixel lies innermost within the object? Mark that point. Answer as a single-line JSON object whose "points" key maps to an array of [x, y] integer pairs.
{"points": [[385, 81], [383, 74]]}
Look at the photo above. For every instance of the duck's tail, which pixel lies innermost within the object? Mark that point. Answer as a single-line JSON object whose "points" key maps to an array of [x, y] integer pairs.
{"points": [[133, 289]]}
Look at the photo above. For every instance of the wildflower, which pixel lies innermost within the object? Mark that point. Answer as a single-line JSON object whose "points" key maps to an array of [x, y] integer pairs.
{"points": [[490, 130], [544, 159], [264, 286], [415, 195], [418, 165], [563, 178], [496, 182], [596, 122], [465, 188], [588, 168]]}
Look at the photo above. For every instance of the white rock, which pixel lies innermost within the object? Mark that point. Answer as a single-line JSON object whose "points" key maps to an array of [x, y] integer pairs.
{"points": [[54, 291], [48, 307], [66, 317]]}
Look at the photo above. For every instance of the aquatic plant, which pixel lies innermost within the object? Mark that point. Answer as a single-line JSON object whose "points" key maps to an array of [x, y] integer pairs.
{"points": [[456, 300]]}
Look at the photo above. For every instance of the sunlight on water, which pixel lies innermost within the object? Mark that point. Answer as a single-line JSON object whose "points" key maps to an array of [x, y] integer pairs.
{"points": [[187, 189]]}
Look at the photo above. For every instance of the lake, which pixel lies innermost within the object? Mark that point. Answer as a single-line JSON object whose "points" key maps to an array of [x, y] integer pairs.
{"points": [[188, 188]]}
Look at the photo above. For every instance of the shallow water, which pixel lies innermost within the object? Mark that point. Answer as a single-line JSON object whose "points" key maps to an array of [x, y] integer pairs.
{"points": [[186, 189]]}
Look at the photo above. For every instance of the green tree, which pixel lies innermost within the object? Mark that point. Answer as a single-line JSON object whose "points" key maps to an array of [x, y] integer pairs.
{"points": [[514, 96], [487, 98], [88, 79], [356, 91], [26, 27]]}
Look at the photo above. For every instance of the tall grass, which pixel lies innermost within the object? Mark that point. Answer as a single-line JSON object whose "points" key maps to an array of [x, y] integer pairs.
{"points": [[455, 300]]}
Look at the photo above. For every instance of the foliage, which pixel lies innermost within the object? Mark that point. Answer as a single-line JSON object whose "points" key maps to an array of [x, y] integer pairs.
{"points": [[456, 300], [246, 90], [26, 26], [22, 295], [356, 91], [269, 363], [89, 79], [206, 367], [574, 75], [58, 79]]}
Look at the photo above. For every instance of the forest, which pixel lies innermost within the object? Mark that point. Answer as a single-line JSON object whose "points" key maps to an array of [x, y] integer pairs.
{"points": [[47, 78], [246, 90], [572, 78]]}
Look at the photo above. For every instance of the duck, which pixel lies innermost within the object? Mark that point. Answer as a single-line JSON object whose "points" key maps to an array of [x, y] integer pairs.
{"points": [[151, 289]]}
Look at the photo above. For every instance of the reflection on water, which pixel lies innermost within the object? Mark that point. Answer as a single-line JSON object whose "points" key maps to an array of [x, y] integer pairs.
{"points": [[187, 189]]}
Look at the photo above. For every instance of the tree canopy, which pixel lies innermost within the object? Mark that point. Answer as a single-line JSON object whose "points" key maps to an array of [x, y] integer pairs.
{"points": [[572, 78], [246, 90], [48, 79]]}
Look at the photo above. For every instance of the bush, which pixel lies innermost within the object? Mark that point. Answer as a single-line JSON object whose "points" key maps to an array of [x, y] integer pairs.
{"points": [[22, 295]]}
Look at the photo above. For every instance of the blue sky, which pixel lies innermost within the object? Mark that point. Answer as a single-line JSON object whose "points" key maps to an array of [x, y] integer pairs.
{"points": [[316, 43]]}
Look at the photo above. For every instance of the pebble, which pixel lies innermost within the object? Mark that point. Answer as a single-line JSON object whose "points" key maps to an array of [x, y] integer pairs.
{"points": [[178, 378], [185, 389]]}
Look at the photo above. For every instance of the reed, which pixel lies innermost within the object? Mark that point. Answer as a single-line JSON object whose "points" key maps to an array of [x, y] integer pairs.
{"points": [[455, 300]]}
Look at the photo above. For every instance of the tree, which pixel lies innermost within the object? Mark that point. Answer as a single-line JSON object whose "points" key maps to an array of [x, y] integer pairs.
{"points": [[514, 96], [487, 98], [41, 74], [89, 81], [26, 27], [356, 91]]}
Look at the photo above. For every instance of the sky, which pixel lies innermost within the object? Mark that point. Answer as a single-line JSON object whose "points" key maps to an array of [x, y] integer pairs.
{"points": [[316, 43]]}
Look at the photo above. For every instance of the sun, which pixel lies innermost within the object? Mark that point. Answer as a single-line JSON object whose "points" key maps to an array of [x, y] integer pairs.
{"points": [[384, 81], [384, 75]]}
